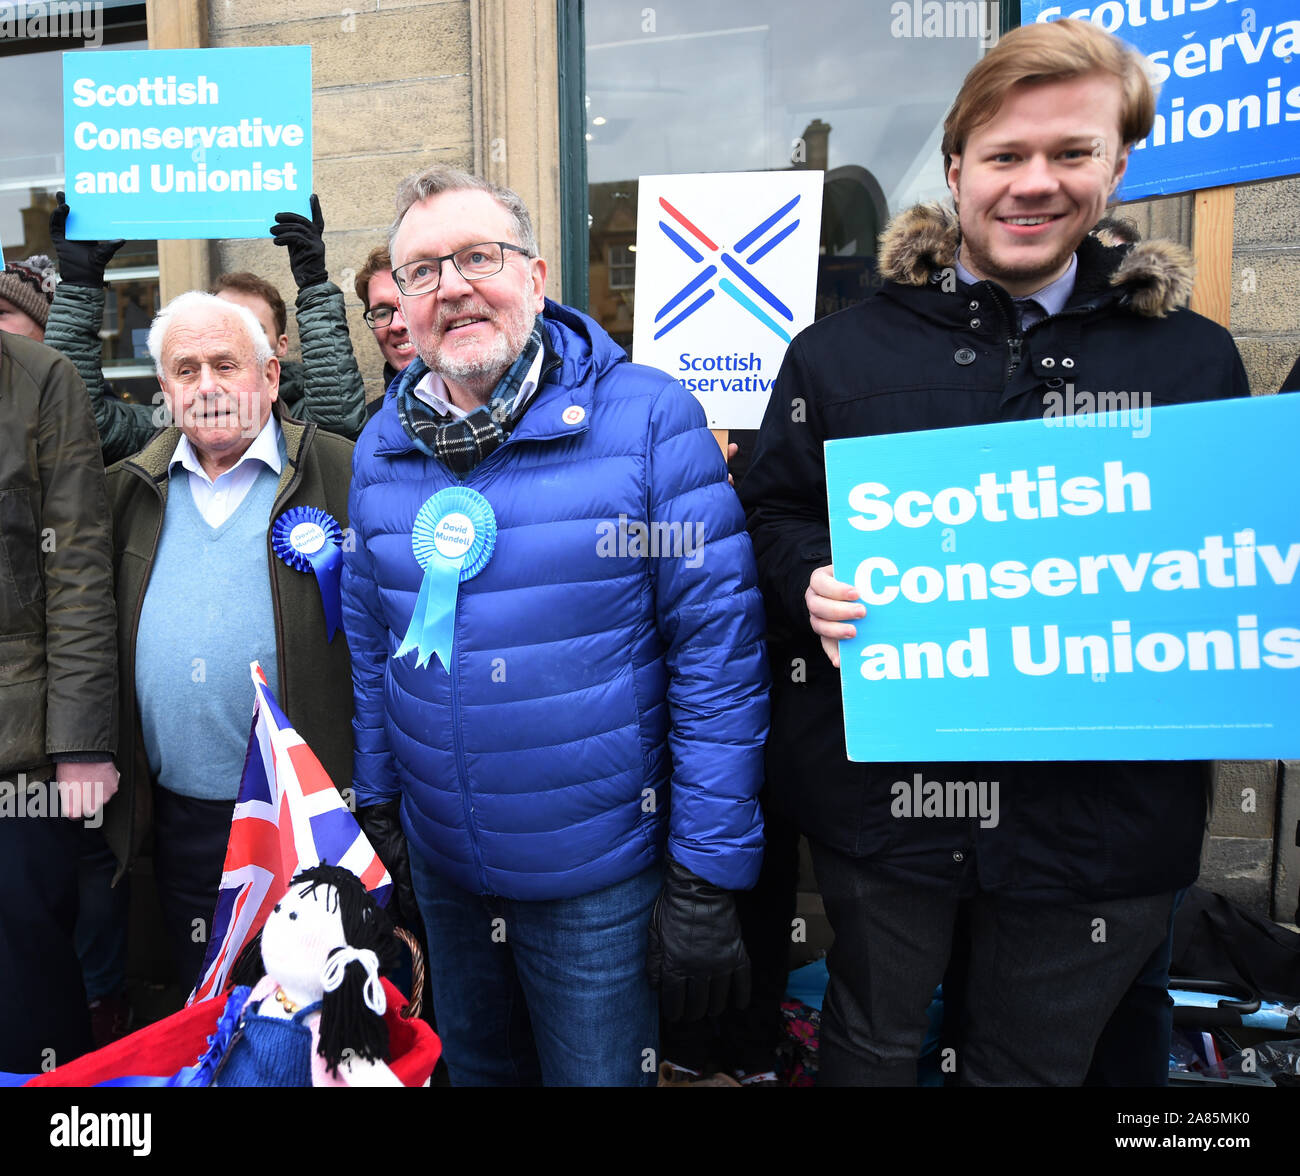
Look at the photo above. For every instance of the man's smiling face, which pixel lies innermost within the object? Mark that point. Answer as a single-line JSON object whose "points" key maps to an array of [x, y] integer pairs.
{"points": [[1032, 181], [468, 332], [394, 340]]}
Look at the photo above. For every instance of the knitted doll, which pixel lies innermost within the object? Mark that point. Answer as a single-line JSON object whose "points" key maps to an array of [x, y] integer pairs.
{"points": [[315, 1015]]}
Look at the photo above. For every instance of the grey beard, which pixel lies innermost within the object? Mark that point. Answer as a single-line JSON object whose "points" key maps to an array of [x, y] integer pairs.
{"points": [[474, 378]]}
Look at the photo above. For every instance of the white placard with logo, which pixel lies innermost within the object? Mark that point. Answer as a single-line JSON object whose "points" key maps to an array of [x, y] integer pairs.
{"points": [[726, 276]]}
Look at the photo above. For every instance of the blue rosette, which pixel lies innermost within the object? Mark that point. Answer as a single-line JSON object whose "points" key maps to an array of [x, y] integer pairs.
{"points": [[452, 538], [309, 540]]}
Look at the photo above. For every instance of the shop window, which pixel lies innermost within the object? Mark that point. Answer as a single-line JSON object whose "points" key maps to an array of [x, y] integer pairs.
{"points": [[622, 267], [844, 87], [31, 170]]}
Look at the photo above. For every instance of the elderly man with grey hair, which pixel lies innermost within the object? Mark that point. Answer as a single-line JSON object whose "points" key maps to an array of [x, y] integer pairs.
{"points": [[225, 528]]}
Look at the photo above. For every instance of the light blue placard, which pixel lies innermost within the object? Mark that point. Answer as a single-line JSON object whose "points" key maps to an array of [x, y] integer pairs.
{"points": [[1196, 479], [1229, 87], [186, 143]]}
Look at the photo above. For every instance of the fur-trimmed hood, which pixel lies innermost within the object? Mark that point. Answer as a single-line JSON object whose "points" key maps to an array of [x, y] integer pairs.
{"points": [[1156, 276]]}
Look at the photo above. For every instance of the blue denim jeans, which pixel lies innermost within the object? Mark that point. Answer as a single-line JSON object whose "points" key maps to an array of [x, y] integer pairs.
{"points": [[548, 993]]}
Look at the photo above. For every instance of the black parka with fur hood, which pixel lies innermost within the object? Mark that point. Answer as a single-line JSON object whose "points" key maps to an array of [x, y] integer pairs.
{"points": [[929, 352]]}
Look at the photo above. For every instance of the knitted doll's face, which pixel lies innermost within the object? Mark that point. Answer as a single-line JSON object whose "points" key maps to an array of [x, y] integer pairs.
{"points": [[299, 935]]}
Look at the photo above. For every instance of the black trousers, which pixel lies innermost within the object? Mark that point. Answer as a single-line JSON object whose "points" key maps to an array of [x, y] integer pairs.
{"points": [[43, 1017], [190, 837], [1133, 1049], [1042, 978]]}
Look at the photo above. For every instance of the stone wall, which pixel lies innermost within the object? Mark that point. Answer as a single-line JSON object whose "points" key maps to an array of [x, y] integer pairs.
{"points": [[1250, 853], [1238, 859], [1286, 866], [1266, 280], [1251, 856], [392, 89]]}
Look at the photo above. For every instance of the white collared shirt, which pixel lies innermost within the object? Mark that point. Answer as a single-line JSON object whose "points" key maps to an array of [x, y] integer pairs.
{"points": [[433, 392], [217, 501]]}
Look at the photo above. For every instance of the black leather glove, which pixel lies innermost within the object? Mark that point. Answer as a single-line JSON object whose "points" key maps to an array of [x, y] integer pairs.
{"points": [[305, 242], [81, 263], [382, 825], [697, 959]]}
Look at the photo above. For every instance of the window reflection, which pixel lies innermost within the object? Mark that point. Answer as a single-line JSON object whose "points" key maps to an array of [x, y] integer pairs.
{"points": [[31, 173], [757, 85]]}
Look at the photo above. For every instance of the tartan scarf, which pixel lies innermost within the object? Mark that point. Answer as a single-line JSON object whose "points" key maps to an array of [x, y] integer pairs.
{"points": [[461, 444]]}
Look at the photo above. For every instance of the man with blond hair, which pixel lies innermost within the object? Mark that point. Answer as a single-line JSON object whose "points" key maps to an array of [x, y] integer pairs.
{"points": [[986, 311]]}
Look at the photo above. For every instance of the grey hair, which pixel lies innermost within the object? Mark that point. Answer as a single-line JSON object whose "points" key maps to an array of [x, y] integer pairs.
{"points": [[437, 179], [198, 300]]}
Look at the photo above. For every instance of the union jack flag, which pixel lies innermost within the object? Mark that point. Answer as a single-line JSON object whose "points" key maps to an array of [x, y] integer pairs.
{"points": [[288, 816]]}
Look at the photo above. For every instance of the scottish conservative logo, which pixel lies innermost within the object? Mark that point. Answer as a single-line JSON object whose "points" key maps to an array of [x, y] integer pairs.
{"points": [[726, 277], [753, 239]]}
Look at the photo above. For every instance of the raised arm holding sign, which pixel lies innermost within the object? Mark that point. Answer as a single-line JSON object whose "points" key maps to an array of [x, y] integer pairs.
{"points": [[326, 387], [198, 143]]}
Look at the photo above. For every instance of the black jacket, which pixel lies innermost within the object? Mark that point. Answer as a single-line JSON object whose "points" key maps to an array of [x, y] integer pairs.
{"points": [[929, 352]]}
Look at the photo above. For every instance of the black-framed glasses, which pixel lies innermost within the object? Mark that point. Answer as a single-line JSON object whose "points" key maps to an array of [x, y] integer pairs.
{"points": [[379, 316], [473, 263]]}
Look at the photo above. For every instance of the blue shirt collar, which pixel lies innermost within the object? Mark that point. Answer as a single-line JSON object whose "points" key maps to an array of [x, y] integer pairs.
{"points": [[1052, 297]]}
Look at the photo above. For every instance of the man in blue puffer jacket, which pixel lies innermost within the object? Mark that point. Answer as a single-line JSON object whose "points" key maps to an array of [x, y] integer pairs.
{"points": [[579, 739]]}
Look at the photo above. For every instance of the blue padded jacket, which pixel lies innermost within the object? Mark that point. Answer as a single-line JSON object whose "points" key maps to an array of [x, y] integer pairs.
{"points": [[609, 685]]}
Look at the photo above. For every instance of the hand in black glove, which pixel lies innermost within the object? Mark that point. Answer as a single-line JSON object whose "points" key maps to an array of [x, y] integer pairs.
{"points": [[697, 959], [305, 242], [382, 825], [81, 263]]}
